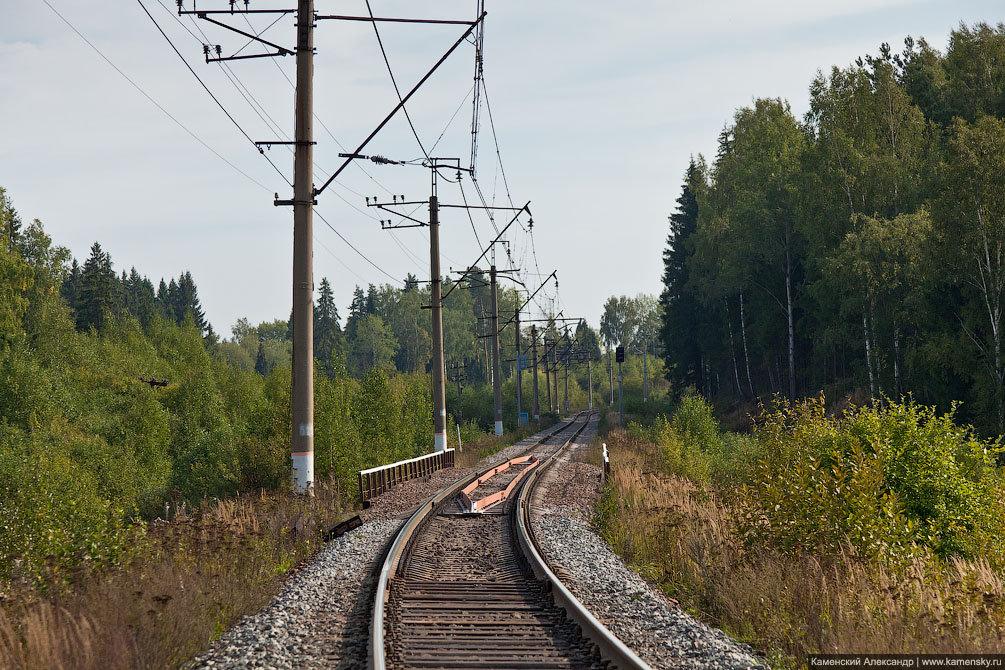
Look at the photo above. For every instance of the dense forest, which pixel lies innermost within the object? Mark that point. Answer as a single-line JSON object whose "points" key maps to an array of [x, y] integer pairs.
{"points": [[859, 250]]}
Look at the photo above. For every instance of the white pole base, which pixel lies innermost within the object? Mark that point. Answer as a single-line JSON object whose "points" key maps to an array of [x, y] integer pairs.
{"points": [[440, 441], [499, 427], [303, 472]]}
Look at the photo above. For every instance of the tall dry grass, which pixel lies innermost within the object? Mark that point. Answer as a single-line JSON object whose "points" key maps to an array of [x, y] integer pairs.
{"points": [[684, 538], [194, 577]]}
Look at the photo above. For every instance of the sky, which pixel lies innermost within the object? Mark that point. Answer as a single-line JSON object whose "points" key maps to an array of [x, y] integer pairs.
{"points": [[596, 107]]}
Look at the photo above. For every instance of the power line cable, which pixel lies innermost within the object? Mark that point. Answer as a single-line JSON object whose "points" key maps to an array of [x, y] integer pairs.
{"points": [[495, 139], [395, 83], [470, 218], [207, 89], [451, 121], [326, 128], [242, 89], [259, 34], [341, 262], [154, 102], [358, 252]]}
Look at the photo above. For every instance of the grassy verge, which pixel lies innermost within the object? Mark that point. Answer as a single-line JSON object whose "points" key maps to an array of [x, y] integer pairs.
{"points": [[835, 559], [186, 582]]}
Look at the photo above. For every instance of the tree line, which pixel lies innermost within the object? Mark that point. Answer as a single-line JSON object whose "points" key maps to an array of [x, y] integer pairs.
{"points": [[858, 249], [387, 328]]}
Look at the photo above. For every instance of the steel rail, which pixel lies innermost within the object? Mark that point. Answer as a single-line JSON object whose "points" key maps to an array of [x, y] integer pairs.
{"points": [[611, 648], [375, 656]]}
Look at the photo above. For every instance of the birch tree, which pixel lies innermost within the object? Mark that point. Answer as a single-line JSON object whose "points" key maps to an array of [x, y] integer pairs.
{"points": [[971, 225]]}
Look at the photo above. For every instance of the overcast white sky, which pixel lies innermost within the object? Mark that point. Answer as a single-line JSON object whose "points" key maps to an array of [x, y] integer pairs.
{"points": [[597, 106]]}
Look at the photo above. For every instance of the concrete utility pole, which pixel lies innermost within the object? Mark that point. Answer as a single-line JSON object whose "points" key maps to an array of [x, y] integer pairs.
{"points": [[645, 374], [621, 415], [610, 370], [436, 307], [547, 372], [519, 371], [554, 371], [302, 444], [496, 377], [567, 383], [620, 358], [589, 376], [533, 349], [459, 377]]}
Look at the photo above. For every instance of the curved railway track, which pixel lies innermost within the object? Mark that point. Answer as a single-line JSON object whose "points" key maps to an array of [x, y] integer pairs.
{"points": [[471, 590]]}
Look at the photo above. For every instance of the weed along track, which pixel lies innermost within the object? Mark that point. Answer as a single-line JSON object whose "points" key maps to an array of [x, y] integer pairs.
{"points": [[468, 589]]}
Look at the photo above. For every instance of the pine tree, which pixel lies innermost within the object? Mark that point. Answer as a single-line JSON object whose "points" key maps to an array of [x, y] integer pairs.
{"points": [[679, 332]]}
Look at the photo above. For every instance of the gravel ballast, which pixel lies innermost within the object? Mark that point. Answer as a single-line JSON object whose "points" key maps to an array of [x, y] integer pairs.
{"points": [[650, 625], [319, 620]]}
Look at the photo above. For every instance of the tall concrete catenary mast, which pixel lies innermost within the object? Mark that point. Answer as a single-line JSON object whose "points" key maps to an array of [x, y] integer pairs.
{"points": [[303, 256]]}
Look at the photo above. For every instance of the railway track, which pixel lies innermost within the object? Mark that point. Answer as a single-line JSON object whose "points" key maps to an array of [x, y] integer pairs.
{"points": [[471, 590]]}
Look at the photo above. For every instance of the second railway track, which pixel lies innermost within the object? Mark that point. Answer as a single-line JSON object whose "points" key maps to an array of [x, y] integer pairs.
{"points": [[470, 590]]}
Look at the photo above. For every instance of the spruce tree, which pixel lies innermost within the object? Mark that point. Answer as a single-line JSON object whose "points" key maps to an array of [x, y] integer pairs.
{"points": [[70, 290], [261, 365], [138, 296], [356, 311], [172, 302], [99, 291], [371, 299], [327, 333], [678, 331], [188, 301]]}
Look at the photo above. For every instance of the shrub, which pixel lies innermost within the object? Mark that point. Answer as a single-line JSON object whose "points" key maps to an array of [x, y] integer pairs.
{"points": [[892, 481], [695, 421], [51, 519]]}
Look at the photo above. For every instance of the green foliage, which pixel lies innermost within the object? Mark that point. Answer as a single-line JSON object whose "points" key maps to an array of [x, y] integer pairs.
{"points": [[681, 345], [888, 480], [51, 514], [15, 282], [855, 249], [692, 445]]}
